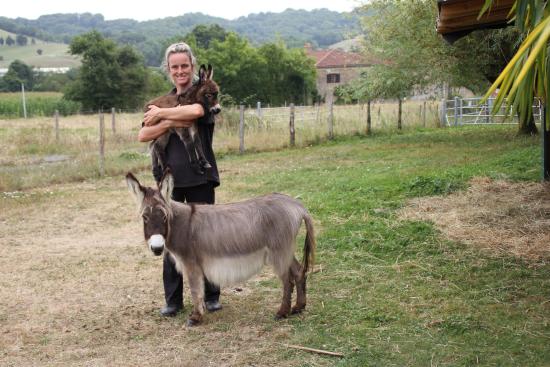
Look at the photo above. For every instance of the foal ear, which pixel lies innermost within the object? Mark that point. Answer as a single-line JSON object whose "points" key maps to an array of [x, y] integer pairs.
{"points": [[166, 185], [137, 191], [210, 72], [202, 73]]}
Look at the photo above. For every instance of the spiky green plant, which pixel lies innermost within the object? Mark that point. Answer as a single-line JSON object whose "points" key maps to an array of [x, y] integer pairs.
{"points": [[527, 75]]}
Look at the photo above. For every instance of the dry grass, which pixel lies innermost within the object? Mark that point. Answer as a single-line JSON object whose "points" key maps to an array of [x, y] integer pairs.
{"points": [[499, 216], [78, 287]]}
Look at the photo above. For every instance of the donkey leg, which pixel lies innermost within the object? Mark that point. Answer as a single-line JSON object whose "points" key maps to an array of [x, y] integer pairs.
{"points": [[300, 280], [198, 147], [195, 278], [186, 136], [288, 286]]}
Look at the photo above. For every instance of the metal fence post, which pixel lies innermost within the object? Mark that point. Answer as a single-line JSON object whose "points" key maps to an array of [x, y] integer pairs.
{"points": [[259, 113], [443, 121]]}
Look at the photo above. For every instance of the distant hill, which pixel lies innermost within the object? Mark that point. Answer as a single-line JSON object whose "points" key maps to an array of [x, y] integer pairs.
{"points": [[53, 54], [320, 27]]}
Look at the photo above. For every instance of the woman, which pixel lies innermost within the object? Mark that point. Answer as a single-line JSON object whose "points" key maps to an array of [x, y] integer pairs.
{"points": [[189, 185]]}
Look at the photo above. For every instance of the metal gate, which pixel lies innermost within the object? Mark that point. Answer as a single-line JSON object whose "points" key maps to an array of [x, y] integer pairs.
{"points": [[470, 111]]}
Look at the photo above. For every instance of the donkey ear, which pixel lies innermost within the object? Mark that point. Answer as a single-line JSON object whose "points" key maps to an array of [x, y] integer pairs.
{"points": [[166, 185], [210, 72], [202, 73], [137, 191]]}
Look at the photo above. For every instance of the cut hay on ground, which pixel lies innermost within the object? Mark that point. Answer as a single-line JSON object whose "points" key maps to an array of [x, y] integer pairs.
{"points": [[496, 215]]}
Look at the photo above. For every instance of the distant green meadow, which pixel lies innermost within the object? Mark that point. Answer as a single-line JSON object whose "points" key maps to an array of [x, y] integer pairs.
{"points": [[37, 104]]}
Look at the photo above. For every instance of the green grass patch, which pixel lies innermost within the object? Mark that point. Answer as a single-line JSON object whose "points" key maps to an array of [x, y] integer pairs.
{"points": [[393, 292]]}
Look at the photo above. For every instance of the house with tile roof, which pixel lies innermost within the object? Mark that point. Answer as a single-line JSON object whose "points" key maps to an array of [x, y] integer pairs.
{"points": [[336, 67]]}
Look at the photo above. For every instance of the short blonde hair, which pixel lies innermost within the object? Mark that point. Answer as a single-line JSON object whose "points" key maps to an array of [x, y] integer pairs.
{"points": [[176, 48]]}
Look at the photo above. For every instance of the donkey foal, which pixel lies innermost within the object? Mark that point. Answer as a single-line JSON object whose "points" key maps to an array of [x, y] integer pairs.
{"points": [[227, 243], [205, 92]]}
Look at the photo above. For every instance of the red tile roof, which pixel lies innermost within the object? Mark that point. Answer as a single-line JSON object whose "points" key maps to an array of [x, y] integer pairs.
{"points": [[335, 58]]}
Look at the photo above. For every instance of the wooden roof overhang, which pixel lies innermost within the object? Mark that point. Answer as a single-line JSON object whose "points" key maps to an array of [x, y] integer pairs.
{"points": [[457, 18]]}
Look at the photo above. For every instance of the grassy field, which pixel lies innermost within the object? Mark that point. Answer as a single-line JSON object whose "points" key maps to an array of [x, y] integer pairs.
{"points": [[80, 288], [24, 158], [53, 54]]}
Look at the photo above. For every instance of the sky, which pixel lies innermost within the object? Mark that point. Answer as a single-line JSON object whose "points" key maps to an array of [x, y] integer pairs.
{"points": [[145, 10]]}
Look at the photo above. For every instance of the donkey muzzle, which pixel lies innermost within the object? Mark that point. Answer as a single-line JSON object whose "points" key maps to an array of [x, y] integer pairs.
{"points": [[216, 109], [156, 244]]}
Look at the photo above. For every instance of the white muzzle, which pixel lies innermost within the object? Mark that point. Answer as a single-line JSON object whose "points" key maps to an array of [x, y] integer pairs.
{"points": [[156, 243]]}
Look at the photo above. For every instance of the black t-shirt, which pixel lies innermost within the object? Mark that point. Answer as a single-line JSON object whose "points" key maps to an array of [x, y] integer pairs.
{"points": [[178, 160]]}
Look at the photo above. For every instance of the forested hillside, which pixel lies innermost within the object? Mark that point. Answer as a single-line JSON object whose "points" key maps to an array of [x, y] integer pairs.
{"points": [[321, 27]]}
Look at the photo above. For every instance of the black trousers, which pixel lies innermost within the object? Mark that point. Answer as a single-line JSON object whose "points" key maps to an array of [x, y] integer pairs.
{"points": [[173, 281]]}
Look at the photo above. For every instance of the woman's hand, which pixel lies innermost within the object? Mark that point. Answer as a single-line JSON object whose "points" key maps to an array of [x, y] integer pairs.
{"points": [[152, 116]]}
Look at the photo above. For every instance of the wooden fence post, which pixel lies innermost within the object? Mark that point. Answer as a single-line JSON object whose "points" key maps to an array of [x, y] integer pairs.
{"points": [[56, 115], [399, 113], [113, 120], [331, 118], [101, 144], [292, 130], [369, 121], [241, 130], [424, 114]]}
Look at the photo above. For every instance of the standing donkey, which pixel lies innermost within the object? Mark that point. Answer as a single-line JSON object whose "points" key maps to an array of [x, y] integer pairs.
{"points": [[227, 243], [205, 92]]}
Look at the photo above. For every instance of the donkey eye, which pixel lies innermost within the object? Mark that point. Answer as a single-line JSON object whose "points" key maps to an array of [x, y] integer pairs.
{"points": [[164, 219], [145, 218], [208, 95]]}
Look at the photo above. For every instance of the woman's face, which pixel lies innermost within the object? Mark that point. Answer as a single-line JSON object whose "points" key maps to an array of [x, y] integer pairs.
{"points": [[181, 70]]}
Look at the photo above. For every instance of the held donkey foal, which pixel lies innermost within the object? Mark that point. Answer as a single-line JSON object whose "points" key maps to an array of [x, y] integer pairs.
{"points": [[205, 91], [227, 243]]}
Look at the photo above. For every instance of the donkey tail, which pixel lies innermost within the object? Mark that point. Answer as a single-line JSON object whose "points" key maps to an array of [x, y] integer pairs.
{"points": [[309, 245]]}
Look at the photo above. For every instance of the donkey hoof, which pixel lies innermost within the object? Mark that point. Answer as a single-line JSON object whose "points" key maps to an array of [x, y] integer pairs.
{"points": [[296, 310], [192, 322]]}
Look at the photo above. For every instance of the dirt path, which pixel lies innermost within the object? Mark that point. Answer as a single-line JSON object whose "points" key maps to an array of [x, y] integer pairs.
{"points": [[78, 287]]}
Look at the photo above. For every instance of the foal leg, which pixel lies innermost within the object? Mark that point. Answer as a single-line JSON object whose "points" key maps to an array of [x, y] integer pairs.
{"points": [[288, 286], [300, 280], [195, 277]]}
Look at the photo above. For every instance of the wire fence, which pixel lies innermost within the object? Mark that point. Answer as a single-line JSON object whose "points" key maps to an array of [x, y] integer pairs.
{"points": [[44, 150]]}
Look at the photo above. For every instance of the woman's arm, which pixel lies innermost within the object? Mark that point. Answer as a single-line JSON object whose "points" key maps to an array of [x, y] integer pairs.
{"points": [[186, 113], [148, 133]]}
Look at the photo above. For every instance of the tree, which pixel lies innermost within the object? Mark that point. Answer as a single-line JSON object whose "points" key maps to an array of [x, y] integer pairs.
{"points": [[9, 41], [402, 33], [1, 41], [39, 51], [109, 75], [21, 40], [18, 73], [205, 34], [237, 67], [289, 75]]}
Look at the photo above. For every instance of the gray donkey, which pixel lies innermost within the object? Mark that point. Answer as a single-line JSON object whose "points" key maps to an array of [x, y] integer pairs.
{"points": [[205, 92], [227, 243]]}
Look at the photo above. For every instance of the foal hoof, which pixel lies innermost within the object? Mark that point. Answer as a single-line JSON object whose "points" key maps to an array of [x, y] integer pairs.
{"points": [[192, 322]]}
